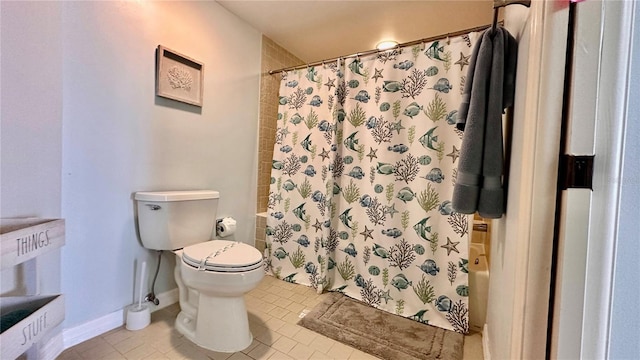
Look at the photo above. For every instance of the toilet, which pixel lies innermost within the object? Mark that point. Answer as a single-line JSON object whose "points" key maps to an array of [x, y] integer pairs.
{"points": [[212, 275]]}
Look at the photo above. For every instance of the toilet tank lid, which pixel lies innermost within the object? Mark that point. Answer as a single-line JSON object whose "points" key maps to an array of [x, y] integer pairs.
{"points": [[176, 195]]}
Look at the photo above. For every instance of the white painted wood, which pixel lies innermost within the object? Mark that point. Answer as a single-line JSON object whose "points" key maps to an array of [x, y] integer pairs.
{"points": [[589, 220], [610, 119], [51, 348], [522, 239], [568, 307], [486, 352], [47, 313], [625, 325], [83, 332], [23, 239], [584, 85]]}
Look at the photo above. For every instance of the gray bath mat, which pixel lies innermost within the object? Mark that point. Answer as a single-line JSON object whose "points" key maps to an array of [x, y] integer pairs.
{"points": [[379, 333]]}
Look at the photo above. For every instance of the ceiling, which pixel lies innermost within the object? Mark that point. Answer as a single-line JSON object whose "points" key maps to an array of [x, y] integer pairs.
{"points": [[316, 30]]}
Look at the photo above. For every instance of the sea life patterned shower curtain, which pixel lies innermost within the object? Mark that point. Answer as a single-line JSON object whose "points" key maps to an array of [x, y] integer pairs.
{"points": [[363, 172]]}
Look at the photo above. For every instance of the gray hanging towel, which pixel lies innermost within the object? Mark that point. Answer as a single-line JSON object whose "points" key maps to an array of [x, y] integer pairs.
{"points": [[489, 89]]}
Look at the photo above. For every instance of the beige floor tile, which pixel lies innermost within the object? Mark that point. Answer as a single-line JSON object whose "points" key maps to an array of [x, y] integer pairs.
{"points": [[110, 356], [299, 289], [275, 324], [69, 354], [274, 308], [264, 317], [140, 352], [317, 355], [114, 337], [473, 347], [321, 343], [258, 293], [128, 344], [295, 307], [299, 298], [271, 298], [289, 330], [215, 355], [278, 312], [305, 336], [89, 344], [156, 356], [291, 318], [359, 355], [284, 344], [284, 303], [99, 351], [340, 351], [268, 337], [252, 346], [285, 293], [266, 306], [261, 352], [301, 352], [280, 356], [274, 289], [239, 356]]}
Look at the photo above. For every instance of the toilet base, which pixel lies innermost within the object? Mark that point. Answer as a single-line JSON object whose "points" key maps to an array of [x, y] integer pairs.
{"points": [[222, 324]]}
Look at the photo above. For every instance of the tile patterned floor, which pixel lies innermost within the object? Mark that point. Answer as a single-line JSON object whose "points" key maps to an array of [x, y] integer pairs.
{"points": [[273, 308]]}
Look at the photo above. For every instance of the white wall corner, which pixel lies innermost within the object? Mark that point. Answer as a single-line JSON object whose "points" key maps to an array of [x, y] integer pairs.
{"points": [[93, 328], [165, 299], [52, 348], [99, 326], [485, 343]]}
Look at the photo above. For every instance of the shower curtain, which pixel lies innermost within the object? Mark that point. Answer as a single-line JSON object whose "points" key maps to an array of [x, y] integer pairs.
{"points": [[362, 178]]}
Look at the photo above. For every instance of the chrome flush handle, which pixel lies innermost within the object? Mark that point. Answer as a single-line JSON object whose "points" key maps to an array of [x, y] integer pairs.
{"points": [[154, 207]]}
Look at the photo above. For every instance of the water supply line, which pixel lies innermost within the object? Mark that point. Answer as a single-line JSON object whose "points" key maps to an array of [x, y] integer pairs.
{"points": [[152, 296]]}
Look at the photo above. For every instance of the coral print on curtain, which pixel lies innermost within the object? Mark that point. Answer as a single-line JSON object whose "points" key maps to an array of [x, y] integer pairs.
{"points": [[363, 171]]}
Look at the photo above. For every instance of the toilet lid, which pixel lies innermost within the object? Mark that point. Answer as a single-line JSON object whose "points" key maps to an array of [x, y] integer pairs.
{"points": [[222, 255]]}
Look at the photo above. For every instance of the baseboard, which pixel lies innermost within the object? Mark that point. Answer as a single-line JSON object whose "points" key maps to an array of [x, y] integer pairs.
{"points": [[52, 348], [165, 299], [485, 342], [99, 326], [93, 328]]}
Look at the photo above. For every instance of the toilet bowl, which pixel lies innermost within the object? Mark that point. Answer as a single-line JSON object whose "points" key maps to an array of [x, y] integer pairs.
{"points": [[212, 275], [213, 313]]}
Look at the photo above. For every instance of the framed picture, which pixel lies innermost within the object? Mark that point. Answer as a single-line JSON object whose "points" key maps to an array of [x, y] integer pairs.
{"points": [[179, 77]]}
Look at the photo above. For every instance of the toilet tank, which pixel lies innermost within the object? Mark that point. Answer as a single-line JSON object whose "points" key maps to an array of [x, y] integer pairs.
{"points": [[169, 220]]}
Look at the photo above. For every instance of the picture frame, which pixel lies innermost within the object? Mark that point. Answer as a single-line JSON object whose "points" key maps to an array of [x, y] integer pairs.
{"points": [[179, 77]]}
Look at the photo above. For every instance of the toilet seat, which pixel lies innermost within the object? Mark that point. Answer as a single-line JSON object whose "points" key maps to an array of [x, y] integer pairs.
{"points": [[222, 256]]}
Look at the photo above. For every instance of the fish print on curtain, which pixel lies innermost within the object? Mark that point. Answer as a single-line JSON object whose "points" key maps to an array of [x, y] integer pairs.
{"points": [[363, 171]]}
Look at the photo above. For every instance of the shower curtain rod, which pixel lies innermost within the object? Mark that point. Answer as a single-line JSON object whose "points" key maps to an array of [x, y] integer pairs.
{"points": [[497, 4], [369, 52]]}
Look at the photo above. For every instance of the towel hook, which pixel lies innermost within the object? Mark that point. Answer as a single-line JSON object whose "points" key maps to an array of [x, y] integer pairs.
{"points": [[497, 4]]}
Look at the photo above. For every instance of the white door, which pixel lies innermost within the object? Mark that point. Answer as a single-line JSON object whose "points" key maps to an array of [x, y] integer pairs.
{"points": [[588, 219], [522, 241]]}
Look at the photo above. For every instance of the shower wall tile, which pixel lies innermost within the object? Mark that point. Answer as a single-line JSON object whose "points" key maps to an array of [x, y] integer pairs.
{"points": [[273, 57]]}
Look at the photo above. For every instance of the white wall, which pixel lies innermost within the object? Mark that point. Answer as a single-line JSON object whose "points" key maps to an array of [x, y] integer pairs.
{"points": [[625, 317], [89, 67], [30, 130], [118, 138]]}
